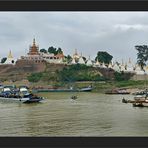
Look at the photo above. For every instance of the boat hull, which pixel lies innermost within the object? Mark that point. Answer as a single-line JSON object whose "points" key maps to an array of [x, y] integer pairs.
{"points": [[21, 100], [116, 93], [143, 104], [63, 90]]}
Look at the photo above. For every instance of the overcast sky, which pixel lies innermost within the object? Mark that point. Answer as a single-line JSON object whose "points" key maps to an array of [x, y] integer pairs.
{"points": [[88, 32]]}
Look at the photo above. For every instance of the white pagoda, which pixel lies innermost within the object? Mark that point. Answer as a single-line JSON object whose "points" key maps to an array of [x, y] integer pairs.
{"points": [[129, 66], [10, 59], [81, 60], [89, 62]]}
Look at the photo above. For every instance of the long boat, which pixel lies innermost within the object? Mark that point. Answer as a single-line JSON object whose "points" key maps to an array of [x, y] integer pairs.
{"points": [[117, 91], [139, 101], [85, 89]]}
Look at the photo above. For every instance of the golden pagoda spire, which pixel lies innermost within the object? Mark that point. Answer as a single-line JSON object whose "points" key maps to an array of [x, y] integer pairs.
{"points": [[34, 42], [10, 55]]}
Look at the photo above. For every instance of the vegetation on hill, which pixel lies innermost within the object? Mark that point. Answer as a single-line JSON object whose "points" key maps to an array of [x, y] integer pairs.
{"points": [[121, 76], [35, 77], [79, 72], [70, 73]]}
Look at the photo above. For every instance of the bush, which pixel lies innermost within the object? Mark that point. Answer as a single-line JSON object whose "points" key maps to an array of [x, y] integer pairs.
{"points": [[122, 76], [34, 77], [79, 72]]}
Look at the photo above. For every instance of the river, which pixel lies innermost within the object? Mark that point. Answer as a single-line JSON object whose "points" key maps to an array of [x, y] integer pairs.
{"points": [[92, 114]]}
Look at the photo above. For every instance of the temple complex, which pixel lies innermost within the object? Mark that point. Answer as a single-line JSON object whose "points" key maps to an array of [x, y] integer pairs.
{"points": [[33, 54], [37, 56]]}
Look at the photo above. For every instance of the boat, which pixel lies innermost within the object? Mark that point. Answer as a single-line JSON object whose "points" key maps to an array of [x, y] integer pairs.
{"points": [[141, 104], [89, 88], [143, 92], [19, 96], [74, 97], [117, 91], [138, 101], [25, 99], [85, 89]]}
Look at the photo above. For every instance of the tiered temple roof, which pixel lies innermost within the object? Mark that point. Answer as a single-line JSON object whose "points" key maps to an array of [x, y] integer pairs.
{"points": [[34, 49]]}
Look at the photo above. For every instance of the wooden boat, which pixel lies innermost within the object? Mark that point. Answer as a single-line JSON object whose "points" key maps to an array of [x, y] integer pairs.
{"points": [[117, 91], [141, 104], [138, 101]]}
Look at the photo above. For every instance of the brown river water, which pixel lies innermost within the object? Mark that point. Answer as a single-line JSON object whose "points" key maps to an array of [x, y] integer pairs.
{"points": [[92, 114]]}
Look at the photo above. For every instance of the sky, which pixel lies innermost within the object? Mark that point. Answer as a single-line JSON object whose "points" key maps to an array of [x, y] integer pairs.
{"points": [[89, 32]]}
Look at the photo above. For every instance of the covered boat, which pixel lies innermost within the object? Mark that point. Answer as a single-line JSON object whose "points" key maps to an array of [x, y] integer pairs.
{"points": [[21, 95]]}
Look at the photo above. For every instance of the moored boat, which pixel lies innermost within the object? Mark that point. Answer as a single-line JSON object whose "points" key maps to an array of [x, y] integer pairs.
{"points": [[139, 101], [89, 88], [117, 91], [141, 104], [84, 89], [21, 95]]}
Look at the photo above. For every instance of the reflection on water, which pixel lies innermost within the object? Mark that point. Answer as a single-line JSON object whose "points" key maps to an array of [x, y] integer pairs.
{"points": [[92, 114]]}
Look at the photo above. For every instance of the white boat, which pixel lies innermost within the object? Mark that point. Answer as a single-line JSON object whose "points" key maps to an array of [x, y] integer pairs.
{"points": [[23, 99], [89, 88], [19, 96]]}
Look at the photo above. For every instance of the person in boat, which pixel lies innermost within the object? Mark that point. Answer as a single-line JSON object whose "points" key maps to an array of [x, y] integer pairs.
{"points": [[74, 97], [124, 101], [146, 95]]}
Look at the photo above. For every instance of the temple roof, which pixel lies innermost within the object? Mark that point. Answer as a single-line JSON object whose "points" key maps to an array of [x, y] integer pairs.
{"points": [[33, 49]]}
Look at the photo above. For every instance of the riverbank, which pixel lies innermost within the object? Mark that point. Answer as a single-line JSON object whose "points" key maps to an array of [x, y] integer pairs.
{"points": [[99, 86]]}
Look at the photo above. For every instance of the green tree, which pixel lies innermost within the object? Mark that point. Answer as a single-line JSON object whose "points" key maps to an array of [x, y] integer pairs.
{"points": [[59, 51], [69, 58], [103, 57], [142, 55], [43, 50], [52, 50], [3, 60]]}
